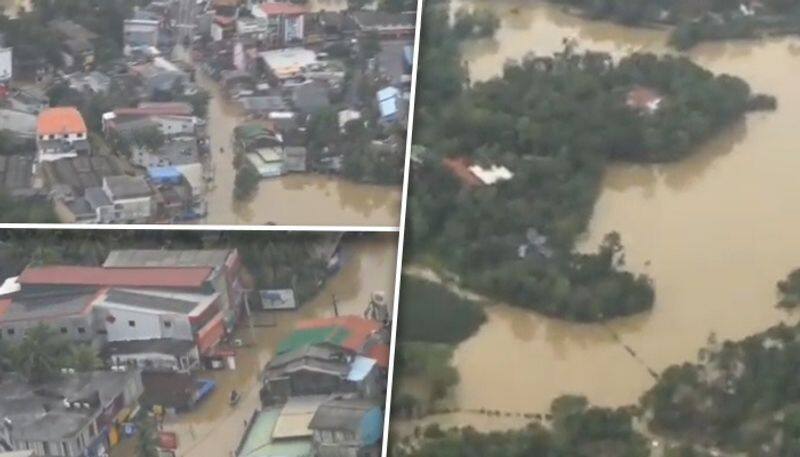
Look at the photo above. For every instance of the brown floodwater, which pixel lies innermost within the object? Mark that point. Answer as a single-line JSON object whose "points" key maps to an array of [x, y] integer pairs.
{"points": [[714, 231], [214, 428], [297, 199]]}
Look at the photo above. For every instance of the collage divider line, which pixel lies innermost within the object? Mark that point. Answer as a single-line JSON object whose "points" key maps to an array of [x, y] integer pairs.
{"points": [[402, 230]]}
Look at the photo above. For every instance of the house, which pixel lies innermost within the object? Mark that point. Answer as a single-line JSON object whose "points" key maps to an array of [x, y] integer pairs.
{"points": [[295, 159], [6, 65], [263, 105], [385, 24], [60, 133], [346, 354], [131, 196], [268, 161], [93, 82], [346, 116], [74, 414], [171, 118], [139, 33], [307, 370], [179, 151], [643, 99], [287, 63], [347, 428], [225, 277], [16, 175], [77, 42], [260, 441], [286, 20]]}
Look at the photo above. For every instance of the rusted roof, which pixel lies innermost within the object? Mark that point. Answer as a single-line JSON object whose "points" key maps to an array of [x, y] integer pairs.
{"points": [[459, 167], [358, 330], [121, 277], [59, 121], [285, 8]]}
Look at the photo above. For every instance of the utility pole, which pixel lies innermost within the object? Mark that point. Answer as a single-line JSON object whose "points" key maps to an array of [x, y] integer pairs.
{"points": [[335, 306]]}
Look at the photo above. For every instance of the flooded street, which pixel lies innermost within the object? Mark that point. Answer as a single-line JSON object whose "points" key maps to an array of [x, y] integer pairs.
{"points": [[714, 231], [214, 428], [296, 199]]}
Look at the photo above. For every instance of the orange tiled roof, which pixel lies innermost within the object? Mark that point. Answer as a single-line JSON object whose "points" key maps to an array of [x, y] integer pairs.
{"points": [[60, 120]]}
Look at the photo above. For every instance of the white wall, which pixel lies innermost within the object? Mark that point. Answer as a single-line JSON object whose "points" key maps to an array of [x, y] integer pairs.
{"points": [[6, 69], [133, 209], [147, 325]]}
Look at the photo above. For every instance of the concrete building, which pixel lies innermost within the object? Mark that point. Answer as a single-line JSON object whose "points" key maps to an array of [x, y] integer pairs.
{"points": [[6, 65], [131, 196], [286, 20], [347, 428], [72, 415], [139, 33]]}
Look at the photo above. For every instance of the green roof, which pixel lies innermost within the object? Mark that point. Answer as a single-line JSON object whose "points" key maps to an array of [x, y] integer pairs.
{"points": [[306, 337], [259, 442]]}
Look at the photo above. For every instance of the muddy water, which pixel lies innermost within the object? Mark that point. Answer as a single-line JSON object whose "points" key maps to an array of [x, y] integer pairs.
{"points": [[214, 429], [714, 231], [299, 199]]}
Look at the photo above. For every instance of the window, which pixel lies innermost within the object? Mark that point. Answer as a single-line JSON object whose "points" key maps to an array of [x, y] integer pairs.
{"points": [[65, 448], [131, 323], [63, 330], [167, 324], [10, 331], [81, 330]]}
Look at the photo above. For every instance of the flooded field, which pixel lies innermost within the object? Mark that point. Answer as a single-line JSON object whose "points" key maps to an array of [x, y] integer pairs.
{"points": [[214, 428], [714, 231], [300, 199]]}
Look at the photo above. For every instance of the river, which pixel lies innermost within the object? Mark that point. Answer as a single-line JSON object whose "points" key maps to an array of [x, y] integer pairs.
{"points": [[214, 428], [297, 199], [715, 232]]}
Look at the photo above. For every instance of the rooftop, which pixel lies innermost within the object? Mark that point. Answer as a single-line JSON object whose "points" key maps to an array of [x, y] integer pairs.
{"points": [[342, 414], [282, 8], [167, 258], [123, 186], [59, 121], [115, 277], [259, 441], [156, 302], [172, 347]]}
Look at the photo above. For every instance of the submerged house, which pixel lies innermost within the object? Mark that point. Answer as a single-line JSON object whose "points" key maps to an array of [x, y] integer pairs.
{"points": [[347, 428]]}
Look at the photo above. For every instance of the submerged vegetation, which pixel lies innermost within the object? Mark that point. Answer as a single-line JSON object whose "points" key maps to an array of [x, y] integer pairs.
{"points": [[698, 21], [554, 122], [431, 322]]}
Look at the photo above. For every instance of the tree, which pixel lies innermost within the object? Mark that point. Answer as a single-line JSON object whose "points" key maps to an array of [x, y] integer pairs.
{"points": [[148, 137], [246, 182], [40, 355], [147, 444], [83, 357]]}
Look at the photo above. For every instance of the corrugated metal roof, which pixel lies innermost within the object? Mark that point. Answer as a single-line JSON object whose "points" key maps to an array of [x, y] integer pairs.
{"points": [[167, 258], [122, 277]]}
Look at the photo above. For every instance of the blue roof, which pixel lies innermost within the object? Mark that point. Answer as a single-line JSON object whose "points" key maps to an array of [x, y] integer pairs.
{"points": [[360, 368], [388, 101], [164, 173]]}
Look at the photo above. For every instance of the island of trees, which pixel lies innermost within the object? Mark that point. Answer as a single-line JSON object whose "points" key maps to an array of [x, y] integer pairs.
{"points": [[554, 122], [695, 21]]}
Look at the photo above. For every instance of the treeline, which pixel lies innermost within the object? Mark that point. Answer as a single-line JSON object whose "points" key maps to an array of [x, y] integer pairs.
{"points": [[555, 122], [432, 321], [698, 21], [576, 429], [742, 396]]}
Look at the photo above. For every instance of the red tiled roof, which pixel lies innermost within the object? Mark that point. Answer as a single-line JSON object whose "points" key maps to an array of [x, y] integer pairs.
{"points": [[59, 121], [459, 166], [359, 328], [120, 277], [285, 8]]}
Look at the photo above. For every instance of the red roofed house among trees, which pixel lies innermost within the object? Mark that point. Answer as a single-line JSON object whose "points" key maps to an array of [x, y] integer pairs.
{"points": [[60, 133]]}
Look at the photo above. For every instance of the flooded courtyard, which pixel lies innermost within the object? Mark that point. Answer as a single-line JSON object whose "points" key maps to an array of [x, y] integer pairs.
{"points": [[715, 232]]}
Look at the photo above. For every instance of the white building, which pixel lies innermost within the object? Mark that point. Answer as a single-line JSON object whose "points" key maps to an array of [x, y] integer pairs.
{"points": [[6, 67], [60, 133], [131, 197]]}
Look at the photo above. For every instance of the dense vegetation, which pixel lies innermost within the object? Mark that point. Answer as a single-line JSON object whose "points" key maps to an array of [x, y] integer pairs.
{"points": [[577, 430], [431, 320], [431, 313], [789, 290], [742, 396], [555, 122], [698, 21]]}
